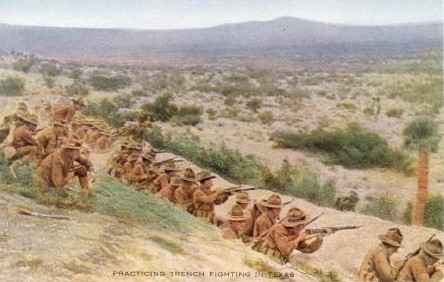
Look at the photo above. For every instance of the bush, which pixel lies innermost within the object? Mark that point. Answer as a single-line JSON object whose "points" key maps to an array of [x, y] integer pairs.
{"points": [[48, 81], [188, 115], [103, 83], [77, 89], [394, 112], [384, 207], [162, 109], [434, 211], [24, 65], [351, 147], [369, 111], [254, 104], [266, 117], [12, 86], [50, 70]]}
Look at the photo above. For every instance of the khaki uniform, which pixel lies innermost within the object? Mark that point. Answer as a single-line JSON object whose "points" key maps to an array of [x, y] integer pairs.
{"points": [[415, 269], [248, 232], [5, 127], [262, 224], [376, 266], [24, 142], [228, 232], [48, 140], [203, 201], [183, 196], [64, 112], [53, 171], [278, 243]]}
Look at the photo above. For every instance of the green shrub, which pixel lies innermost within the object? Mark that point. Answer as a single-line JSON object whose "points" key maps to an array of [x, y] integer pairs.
{"points": [[109, 110], [347, 105], [162, 109], [103, 83], [384, 207], [266, 117], [394, 112], [351, 146], [434, 211], [48, 81], [77, 89], [24, 65], [12, 86], [254, 104], [230, 101], [369, 111], [50, 69]]}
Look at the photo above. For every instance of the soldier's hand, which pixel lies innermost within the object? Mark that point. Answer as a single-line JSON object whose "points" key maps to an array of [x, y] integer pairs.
{"points": [[328, 231]]}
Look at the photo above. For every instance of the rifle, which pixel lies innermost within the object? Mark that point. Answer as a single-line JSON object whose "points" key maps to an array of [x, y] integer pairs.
{"points": [[173, 159], [410, 255], [235, 189], [28, 212], [258, 238], [334, 229], [289, 202]]}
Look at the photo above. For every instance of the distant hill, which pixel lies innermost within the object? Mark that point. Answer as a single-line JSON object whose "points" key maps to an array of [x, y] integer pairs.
{"points": [[283, 37]]}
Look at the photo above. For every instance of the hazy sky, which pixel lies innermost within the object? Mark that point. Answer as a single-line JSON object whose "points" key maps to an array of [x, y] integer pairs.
{"points": [[167, 14]]}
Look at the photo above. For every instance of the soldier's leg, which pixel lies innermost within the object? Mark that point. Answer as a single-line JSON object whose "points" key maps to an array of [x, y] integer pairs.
{"points": [[82, 173]]}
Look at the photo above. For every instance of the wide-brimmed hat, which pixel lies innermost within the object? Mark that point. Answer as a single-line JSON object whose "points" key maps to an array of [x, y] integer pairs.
{"points": [[148, 156], [30, 118], [188, 175], [433, 248], [237, 214], [204, 175], [170, 166], [274, 201], [295, 217], [176, 182], [79, 101], [242, 197], [134, 146], [393, 237], [21, 106]]}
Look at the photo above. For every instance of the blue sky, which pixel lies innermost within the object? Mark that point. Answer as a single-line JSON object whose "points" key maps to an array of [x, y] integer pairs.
{"points": [[171, 14]]}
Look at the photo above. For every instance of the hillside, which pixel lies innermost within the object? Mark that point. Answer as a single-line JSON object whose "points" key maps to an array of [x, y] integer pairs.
{"points": [[248, 42]]}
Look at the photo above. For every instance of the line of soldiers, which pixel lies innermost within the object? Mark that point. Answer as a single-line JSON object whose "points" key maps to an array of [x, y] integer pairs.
{"points": [[56, 155], [254, 223], [420, 265]]}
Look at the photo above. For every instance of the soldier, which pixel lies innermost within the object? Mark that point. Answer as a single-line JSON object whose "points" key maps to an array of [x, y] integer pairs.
{"points": [[163, 180], [204, 198], [143, 173], [129, 149], [183, 196], [280, 240], [273, 208], [376, 264], [235, 226], [128, 169], [65, 112], [5, 127], [58, 168], [23, 140], [168, 193], [49, 137], [422, 267], [243, 200]]}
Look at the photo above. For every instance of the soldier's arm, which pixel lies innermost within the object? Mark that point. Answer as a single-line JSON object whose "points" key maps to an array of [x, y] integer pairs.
{"points": [[420, 273], [283, 243], [383, 268], [28, 138], [52, 144], [69, 114], [58, 178], [200, 196]]}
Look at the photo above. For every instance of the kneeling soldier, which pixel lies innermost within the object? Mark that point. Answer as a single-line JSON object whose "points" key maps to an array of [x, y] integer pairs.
{"points": [[376, 264], [267, 219], [422, 267], [235, 226], [58, 168]]}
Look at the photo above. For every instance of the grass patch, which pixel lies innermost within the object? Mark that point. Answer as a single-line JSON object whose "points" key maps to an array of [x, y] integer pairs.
{"points": [[352, 147], [394, 112], [167, 245], [384, 207], [32, 263], [12, 86], [434, 210]]}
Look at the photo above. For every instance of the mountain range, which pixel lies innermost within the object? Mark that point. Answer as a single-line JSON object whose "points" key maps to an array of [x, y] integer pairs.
{"points": [[279, 38]]}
